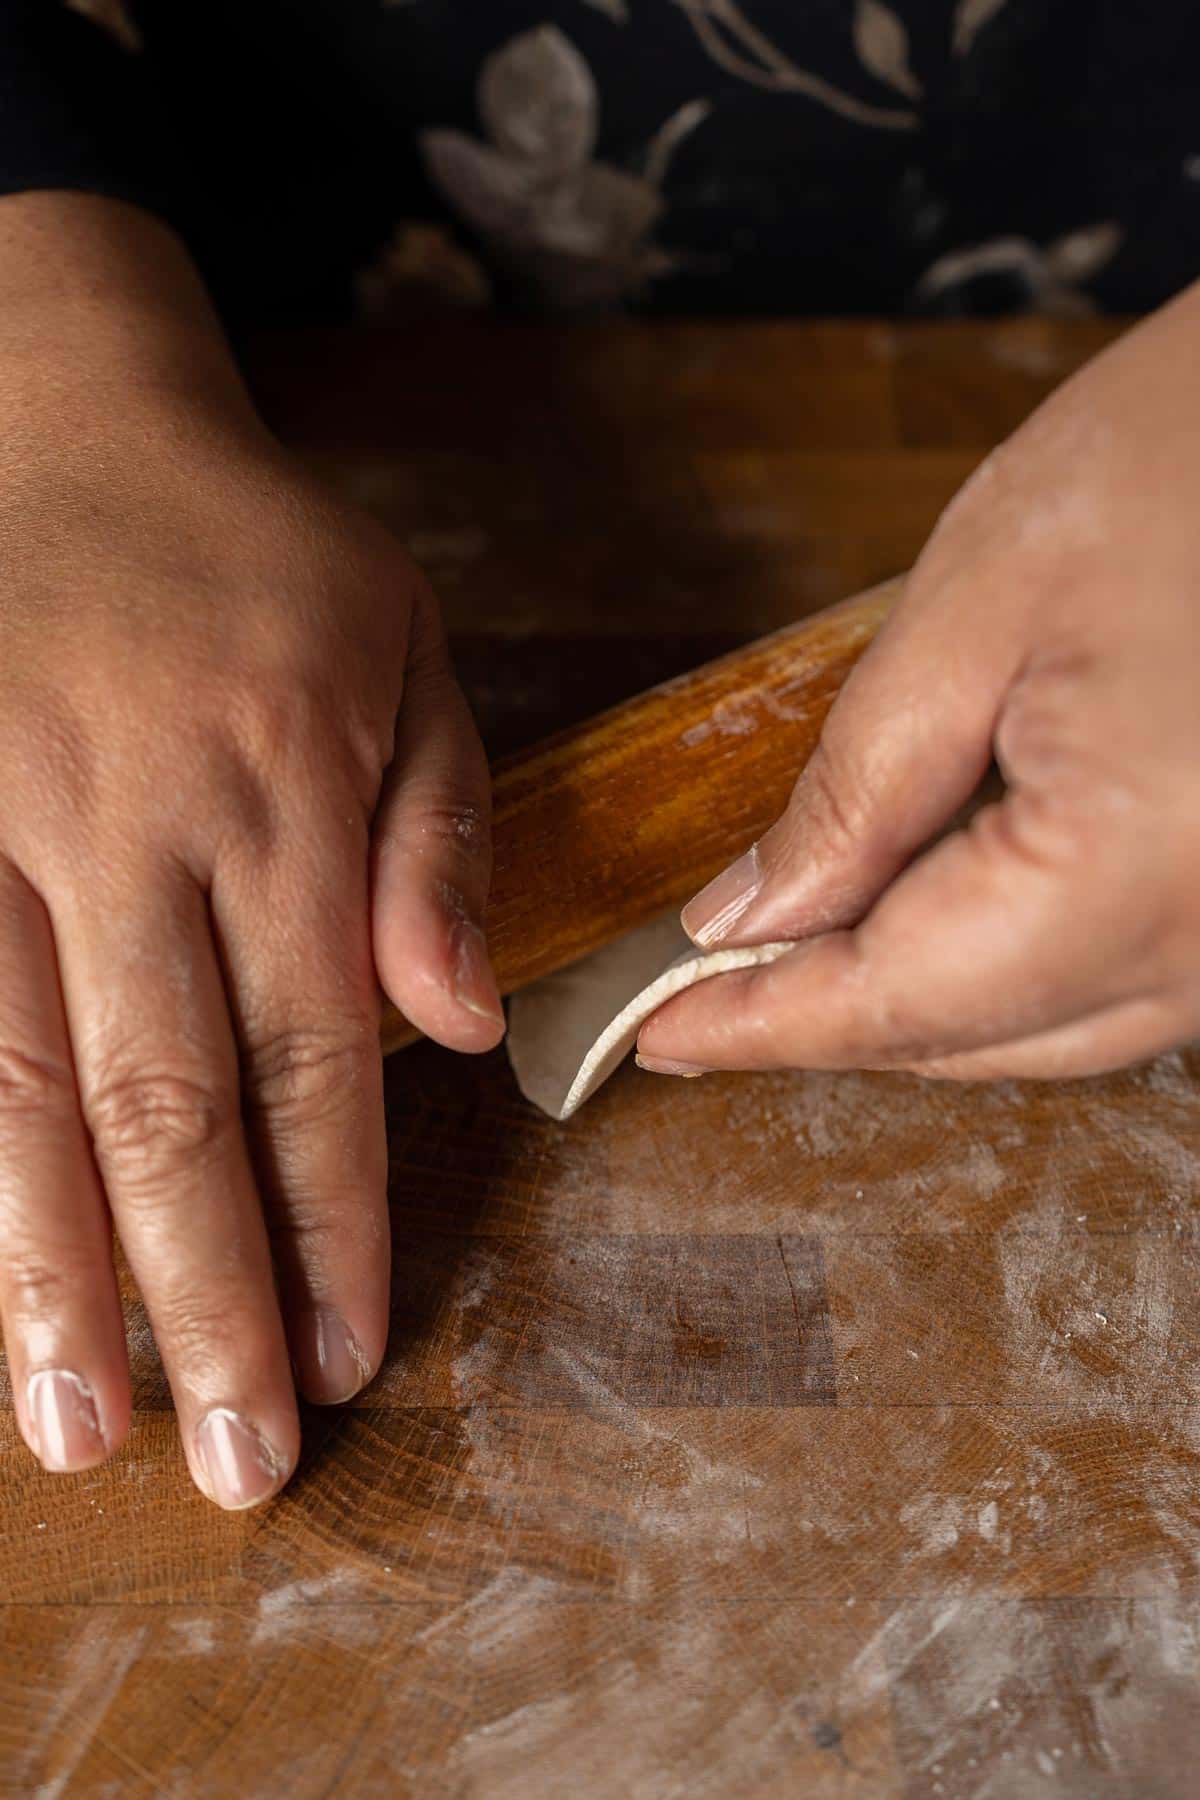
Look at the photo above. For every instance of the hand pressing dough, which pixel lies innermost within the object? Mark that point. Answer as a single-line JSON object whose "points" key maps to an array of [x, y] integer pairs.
{"points": [[568, 1033]]}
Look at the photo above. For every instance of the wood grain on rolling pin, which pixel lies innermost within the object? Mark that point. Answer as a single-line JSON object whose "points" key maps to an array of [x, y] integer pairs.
{"points": [[602, 826]]}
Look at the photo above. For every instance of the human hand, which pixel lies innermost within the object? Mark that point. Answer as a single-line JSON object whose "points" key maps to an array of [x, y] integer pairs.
{"points": [[240, 783], [1052, 623]]}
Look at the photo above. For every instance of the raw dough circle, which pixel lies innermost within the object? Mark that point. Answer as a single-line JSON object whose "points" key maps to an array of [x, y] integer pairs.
{"points": [[568, 1033]]}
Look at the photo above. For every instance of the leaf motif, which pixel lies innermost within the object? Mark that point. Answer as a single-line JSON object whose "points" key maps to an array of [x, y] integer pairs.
{"points": [[601, 213], [538, 100], [1048, 278], [617, 10], [492, 192], [970, 17], [1082, 254], [882, 45], [597, 212], [739, 48], [1014, 256], [669, 136]]}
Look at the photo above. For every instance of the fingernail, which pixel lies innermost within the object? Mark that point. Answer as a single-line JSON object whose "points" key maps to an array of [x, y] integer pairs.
{"points": [[717, 908], [474, 983], [62, 1416], [329, 1362], [663, 1065], [241, 1466]]}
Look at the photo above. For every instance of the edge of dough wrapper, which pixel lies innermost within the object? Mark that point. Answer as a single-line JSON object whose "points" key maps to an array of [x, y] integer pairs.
{"points": [[569, 1032]]}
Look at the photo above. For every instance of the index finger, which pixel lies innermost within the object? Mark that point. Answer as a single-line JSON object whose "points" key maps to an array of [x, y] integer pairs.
{"points": [[1011, 927]]}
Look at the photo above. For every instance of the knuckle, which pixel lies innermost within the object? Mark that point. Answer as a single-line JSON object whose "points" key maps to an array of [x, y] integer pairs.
{"points": [[826, 798], [307, 1219], [201, 1332], [154, 1125], [310, 1231], [457, 821], [51, 754], [1048, 733], [310, 1070], [1078, 856], [896, 1039], [280, 710], [250, 799], [35, 1286], [287, 725], [457, 827], [278, 722], [33, 1087], [890, 1029]]}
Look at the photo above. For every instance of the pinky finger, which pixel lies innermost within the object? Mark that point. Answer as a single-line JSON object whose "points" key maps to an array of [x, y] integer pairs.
{"points": [[58, 1294]]}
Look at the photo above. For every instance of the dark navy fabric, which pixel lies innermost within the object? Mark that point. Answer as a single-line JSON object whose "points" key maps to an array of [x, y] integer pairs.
{"points": [[326, 158]]}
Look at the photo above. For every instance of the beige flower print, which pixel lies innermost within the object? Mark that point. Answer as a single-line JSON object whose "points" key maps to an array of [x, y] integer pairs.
{"points": [[882, 45], [726, 31], [736, 45], [113, 17], [570, 230], [1051, 275], [970, 17]]}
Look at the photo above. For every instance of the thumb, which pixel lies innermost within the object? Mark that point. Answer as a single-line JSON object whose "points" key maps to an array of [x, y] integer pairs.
{"points": [[905, 745], [431, 857], [998, 938]]}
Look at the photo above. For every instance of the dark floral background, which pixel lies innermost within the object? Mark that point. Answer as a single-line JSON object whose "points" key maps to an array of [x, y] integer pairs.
{"points": [[329, 157]]}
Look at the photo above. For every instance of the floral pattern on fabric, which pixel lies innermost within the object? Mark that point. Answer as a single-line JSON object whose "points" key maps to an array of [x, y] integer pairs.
{"points": [[572, 230], [1050, 279], [738, 46], [863, 156]]}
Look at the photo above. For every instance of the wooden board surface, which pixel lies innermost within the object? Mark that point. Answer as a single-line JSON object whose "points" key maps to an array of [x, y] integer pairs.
{"points": [[777, 1435]]}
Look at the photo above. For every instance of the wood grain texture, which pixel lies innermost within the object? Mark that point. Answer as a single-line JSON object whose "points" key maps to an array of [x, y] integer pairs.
{"points": [[774, 1435]]}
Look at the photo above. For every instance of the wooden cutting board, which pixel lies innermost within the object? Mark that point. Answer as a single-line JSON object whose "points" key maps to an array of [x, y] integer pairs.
{"points": [[762, 1436]]}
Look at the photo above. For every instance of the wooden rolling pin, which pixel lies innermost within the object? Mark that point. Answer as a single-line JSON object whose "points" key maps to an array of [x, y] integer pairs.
{"points": [[602, 826]]}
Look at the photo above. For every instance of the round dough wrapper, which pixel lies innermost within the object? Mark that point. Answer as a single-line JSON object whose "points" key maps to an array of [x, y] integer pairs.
{"points": [[568, 1033]]}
